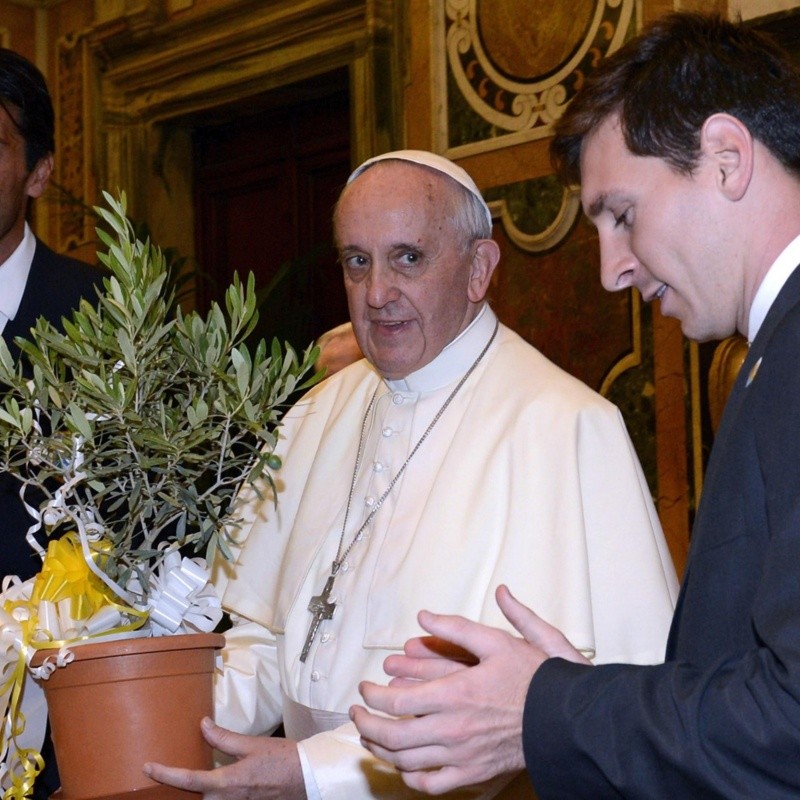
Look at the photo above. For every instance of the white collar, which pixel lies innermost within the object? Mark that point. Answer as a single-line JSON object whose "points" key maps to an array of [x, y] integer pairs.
{"points": [[783, 266], [14, 273], [454, 360]]}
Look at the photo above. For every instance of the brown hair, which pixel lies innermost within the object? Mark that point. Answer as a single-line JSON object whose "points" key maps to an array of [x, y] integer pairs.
{"points": [[667, 82]]}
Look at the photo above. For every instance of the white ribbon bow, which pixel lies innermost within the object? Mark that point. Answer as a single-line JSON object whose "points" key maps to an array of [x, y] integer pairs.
{"points": [[181, 597]]}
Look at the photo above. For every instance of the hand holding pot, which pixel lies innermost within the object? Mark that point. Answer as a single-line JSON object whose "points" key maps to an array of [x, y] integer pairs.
{"points": [[266, 768]]}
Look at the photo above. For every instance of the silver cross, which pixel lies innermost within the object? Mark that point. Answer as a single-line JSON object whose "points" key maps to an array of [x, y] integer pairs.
{"points": [[321, 608]]}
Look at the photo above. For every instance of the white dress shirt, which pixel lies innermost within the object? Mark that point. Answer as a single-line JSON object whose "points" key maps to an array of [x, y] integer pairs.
{"points": [[14, 275], [784, 265]]}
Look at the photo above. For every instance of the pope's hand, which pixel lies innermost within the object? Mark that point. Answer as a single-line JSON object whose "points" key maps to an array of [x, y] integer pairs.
{"points": [[459, 725], [267, 768]]}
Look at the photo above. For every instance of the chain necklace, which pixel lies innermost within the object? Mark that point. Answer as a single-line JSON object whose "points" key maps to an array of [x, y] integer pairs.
{"points": [[321, 606]]}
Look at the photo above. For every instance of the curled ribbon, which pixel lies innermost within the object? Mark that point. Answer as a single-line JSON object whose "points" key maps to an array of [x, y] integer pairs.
{"points": [[58, 509], [21, 699]]}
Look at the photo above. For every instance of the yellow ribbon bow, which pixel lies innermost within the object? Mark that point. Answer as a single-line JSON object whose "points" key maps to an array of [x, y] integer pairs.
{"points": [[65, 575]]}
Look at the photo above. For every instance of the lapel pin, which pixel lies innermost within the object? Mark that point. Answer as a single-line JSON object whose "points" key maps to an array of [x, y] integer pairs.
{"points": [[753, 372]]}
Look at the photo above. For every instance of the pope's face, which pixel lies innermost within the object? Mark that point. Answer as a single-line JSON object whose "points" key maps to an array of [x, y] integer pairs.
{"points": [[663, 232], [406, 266], [17, 184]]}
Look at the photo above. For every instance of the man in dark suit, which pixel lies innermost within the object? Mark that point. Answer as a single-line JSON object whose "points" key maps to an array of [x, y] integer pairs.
{"points": [[34, 281], [686, 144]]}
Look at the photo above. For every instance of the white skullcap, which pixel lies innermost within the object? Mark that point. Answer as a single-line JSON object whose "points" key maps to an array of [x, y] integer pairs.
{"points": [[435, 162]]}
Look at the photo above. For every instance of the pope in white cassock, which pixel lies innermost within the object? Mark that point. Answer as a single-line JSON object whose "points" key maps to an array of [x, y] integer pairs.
{"points": [[452, 459]]}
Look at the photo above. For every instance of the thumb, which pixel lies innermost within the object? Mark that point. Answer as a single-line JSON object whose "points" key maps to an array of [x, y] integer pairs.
{"points": [[224, 740], [535, 630], [528, 623], [478, 639]]}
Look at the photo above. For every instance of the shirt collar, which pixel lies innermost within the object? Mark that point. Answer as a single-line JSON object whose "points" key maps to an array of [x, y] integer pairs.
{"points": [[771, 286], [454, 360], [14, 274]]}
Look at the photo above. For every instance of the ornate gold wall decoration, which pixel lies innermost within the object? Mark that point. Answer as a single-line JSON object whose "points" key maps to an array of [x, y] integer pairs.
{"points": [[74, 227], [508, 67], [536, 214]]}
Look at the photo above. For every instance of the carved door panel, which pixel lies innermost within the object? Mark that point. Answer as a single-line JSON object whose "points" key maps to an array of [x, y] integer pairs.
{"points": [[265, 186]]}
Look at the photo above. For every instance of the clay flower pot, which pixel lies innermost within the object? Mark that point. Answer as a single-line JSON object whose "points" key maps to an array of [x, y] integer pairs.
{"points": [[122, 703]]}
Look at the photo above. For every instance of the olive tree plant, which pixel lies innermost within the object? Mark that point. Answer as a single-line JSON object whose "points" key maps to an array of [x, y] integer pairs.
{"points": [[138, 425]]}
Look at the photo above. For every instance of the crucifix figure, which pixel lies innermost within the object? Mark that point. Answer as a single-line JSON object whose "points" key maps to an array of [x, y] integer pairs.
{"points": [[321, 608]]}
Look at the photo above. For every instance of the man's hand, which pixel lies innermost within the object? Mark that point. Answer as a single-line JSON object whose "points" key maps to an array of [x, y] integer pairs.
{"points": [[267, 768], [459, 725]]}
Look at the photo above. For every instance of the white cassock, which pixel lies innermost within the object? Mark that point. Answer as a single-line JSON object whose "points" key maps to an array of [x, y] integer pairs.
{"points": [[528, 479]]}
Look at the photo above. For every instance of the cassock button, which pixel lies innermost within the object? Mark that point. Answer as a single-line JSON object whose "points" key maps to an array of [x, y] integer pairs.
{"points": [[387, 431], [315, 676], [397, 399]]}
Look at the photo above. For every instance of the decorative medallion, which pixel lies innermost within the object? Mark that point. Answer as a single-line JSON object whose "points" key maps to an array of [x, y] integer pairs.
{"points": [[512, 65]]}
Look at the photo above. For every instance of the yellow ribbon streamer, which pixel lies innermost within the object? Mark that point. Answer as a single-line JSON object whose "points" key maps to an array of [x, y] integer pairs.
{"points": [[65, 575], [24, 764]]}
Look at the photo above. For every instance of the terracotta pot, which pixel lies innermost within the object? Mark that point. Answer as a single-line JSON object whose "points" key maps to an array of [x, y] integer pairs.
{"points": [[122, 703]]}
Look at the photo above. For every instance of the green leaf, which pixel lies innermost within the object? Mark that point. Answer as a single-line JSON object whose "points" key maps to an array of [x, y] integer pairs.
{"points": [[79, 421]]}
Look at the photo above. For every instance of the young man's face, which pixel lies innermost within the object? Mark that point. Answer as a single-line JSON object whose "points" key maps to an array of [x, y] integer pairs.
{"points": [[17, 184], [661, 232]]}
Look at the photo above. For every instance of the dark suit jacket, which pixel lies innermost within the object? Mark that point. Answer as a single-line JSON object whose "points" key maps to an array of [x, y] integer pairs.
{"points": [[721, 718], [54, 289]]}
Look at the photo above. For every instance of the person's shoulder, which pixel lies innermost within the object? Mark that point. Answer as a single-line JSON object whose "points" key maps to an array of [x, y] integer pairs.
{"points": [[536, 377], [338, 388], [49, 261], [45, 256], [348, 376]]}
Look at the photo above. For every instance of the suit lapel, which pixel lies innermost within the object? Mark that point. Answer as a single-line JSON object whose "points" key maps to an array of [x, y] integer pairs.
{"points": [[787, 298]]}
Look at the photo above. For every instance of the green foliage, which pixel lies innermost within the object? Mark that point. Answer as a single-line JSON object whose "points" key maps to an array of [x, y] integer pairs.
{"points": [[141, 419]]}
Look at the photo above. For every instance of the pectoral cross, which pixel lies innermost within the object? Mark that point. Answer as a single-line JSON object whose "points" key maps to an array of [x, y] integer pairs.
{"points": [[321, 608]]}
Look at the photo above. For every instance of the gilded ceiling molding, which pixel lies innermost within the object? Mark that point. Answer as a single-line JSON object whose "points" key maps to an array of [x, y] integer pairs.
{"points": [[156, 67], [515, 73], [37, 4], [134, 14]]}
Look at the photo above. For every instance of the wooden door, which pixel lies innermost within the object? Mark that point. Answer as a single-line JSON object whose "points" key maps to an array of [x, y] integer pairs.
{"points": [[266, 180]]}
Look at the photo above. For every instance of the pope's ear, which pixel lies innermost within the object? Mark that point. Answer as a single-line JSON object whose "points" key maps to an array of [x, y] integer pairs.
{"points": [[484, 260], [727, 144]]}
